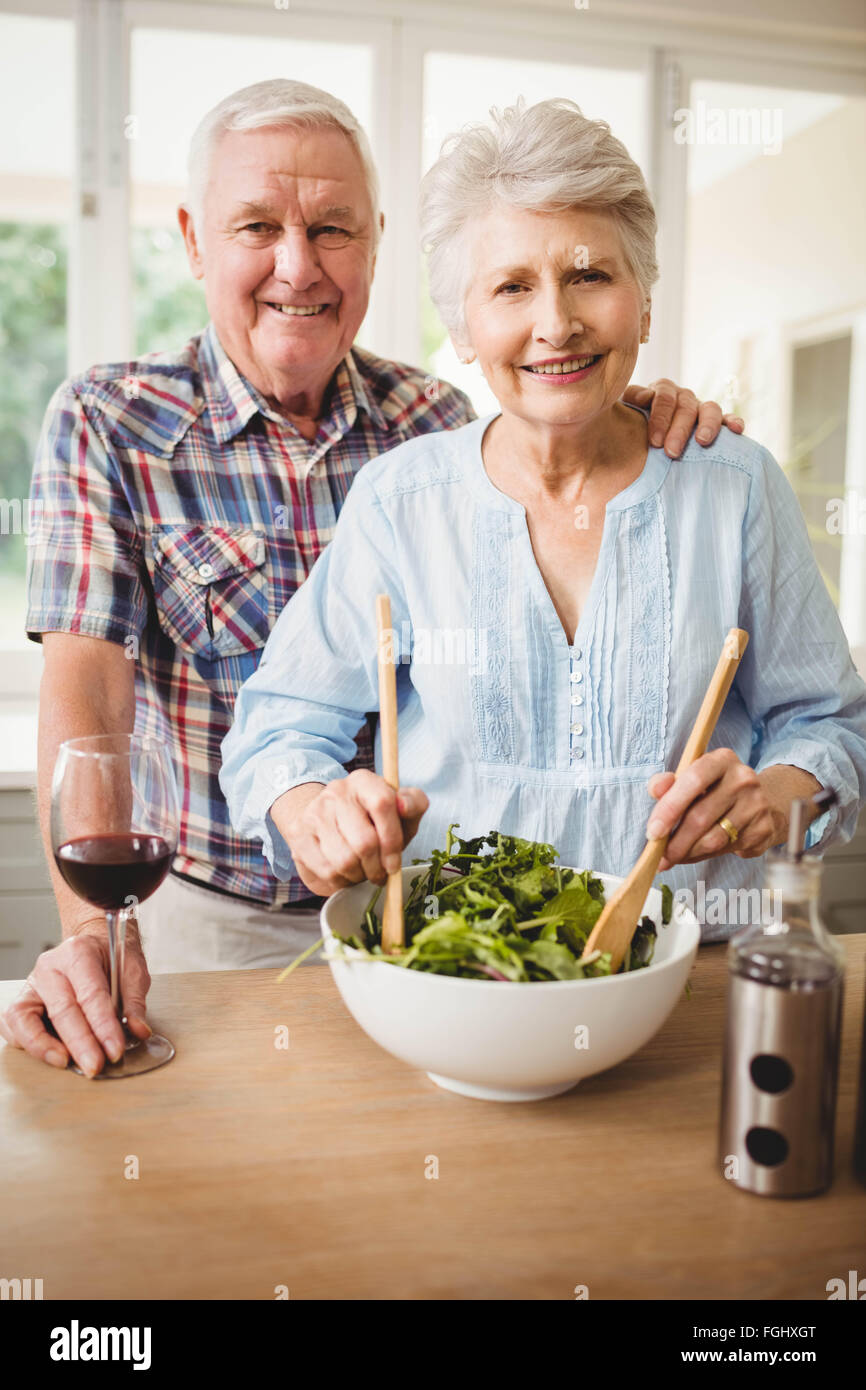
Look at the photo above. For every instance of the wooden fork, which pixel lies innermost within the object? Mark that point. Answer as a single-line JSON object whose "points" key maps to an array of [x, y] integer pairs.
{"points": [[619, 917], [393, 936]]}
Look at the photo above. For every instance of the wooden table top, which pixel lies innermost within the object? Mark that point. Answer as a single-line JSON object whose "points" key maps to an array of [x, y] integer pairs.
{"points": [[305, 1167]]}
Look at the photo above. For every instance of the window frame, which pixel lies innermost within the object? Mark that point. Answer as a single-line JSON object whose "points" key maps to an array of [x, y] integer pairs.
{"points": [[419, 39], [21, 667], [692, 65], [682, 68], [808, 333], [304, 24]]}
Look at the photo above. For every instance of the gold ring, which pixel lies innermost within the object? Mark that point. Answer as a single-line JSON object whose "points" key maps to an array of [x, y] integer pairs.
{"points": [[730, 830]]}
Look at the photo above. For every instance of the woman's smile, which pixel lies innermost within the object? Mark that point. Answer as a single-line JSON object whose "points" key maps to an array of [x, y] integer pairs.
{"points": [[560, 371]]}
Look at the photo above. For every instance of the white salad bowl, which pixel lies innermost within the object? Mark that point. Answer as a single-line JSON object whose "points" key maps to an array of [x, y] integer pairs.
{"points": [[503, 1040]]}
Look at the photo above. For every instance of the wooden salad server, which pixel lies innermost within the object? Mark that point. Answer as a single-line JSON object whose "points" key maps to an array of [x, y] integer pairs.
{"points": [[393, 938], [619, 917]]}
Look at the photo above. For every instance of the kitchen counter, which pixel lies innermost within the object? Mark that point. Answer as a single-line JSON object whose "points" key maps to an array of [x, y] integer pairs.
{"points": [[307, 1167]]}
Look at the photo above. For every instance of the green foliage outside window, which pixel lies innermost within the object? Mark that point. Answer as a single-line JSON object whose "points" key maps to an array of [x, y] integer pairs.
{"points": [[169, 304], [170, 308], [33, 262]]}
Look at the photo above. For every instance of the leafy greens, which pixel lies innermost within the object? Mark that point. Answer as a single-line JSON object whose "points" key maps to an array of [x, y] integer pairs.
{"points": [[497, 907]]}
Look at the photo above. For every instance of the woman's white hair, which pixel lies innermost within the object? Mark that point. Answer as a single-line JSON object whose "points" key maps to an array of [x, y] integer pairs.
{"points": [[276, 102], [548, 157]]}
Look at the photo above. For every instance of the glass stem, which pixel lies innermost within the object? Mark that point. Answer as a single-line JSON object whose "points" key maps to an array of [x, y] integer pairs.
{"points": [[116, 942]]}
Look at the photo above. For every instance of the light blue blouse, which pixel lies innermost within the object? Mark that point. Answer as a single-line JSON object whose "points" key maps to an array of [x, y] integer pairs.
{"points": [[506, 725]]}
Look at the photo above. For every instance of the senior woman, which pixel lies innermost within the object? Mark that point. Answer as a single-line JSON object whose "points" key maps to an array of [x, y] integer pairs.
{"points": [[560, 591]]}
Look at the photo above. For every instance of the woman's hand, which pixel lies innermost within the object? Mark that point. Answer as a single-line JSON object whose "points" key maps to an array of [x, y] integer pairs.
{"points": [[674, 412], [719, 784], [353, 829]]}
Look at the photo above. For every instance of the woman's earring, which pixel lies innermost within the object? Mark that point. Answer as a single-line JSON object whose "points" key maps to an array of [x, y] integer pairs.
{"points": [[467, 360], [645, 338]]}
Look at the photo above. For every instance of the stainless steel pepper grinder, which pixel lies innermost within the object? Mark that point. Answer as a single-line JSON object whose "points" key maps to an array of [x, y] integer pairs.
{"points": [[781, 1051]]}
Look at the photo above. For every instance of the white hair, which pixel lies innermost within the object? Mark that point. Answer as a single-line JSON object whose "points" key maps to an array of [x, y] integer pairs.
{"points": [[276, 102], [549, 157]]}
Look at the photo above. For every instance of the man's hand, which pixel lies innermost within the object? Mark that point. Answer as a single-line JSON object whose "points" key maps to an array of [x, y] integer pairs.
{"points": [[70, 985], [349, 830], [674, 410]]}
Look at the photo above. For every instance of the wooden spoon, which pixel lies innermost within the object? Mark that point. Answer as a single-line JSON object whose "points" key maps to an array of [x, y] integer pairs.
{"points": [[619, 917], [392, 918]]}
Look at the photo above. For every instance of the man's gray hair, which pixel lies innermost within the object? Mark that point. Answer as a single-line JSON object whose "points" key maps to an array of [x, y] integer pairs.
{"points": [[548, 157], [276, 102]]}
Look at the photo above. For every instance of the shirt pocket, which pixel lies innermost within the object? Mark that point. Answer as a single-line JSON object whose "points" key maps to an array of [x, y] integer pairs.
{"points": [[211, 588]]}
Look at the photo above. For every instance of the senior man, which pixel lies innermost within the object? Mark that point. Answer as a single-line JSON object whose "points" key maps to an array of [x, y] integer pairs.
{"points": [[186, 496]]}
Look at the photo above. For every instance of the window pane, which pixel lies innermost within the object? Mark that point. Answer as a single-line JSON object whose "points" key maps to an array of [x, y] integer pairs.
{"points": [[199, 69], [36, 160], [461, 87], [819, 434], [776, 225]]}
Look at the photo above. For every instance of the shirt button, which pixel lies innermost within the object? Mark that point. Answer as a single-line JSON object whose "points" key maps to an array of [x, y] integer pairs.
{"points": [[577, 728], [577, 652], [578, 753], [577, 677], [206, 571], [577, 699]]}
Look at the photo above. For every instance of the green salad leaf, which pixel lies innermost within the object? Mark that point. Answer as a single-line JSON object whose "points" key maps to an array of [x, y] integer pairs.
{"points": [[667, 904], [498, 907]]}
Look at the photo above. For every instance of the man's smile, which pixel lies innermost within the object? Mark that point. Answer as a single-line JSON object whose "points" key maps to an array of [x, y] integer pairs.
{"points": [[297, 310]]}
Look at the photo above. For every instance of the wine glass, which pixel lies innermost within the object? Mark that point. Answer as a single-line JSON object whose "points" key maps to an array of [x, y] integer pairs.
{"points": [[114, 827]]}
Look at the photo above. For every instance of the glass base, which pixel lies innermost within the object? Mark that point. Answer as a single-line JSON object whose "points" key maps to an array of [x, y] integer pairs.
{"points": [[145, 1054]]}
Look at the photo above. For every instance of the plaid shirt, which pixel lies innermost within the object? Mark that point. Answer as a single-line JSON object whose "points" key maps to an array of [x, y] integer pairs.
{"points": [[178, 513]]}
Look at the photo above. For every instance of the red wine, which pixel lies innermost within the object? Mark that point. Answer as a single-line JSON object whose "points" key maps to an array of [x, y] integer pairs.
{"points": [[106, 870]]}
